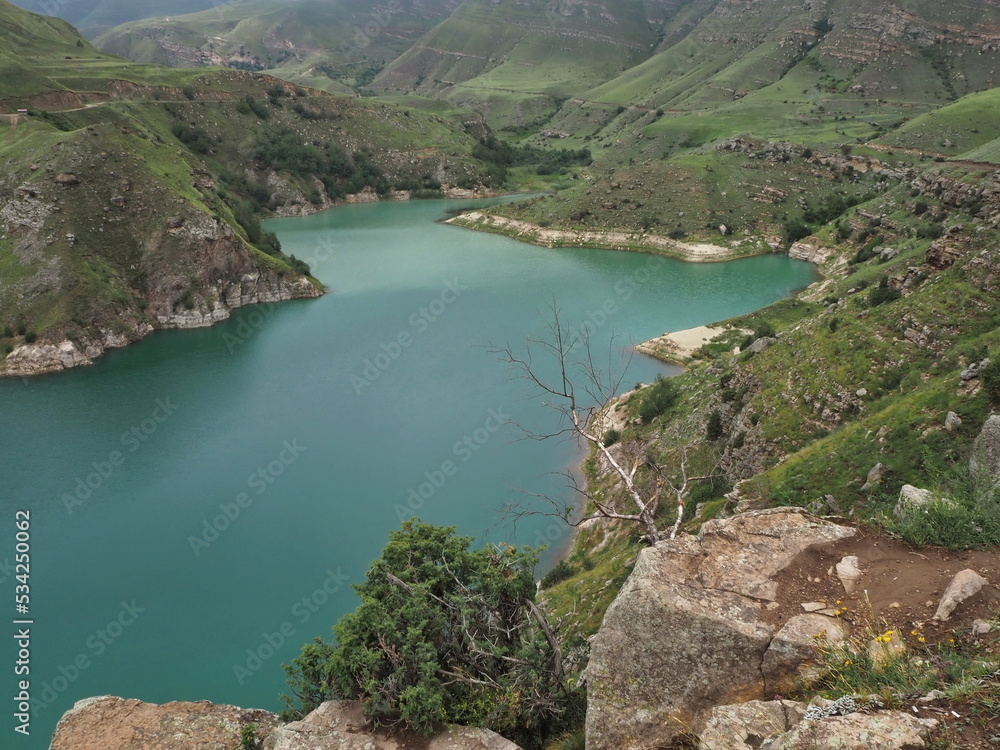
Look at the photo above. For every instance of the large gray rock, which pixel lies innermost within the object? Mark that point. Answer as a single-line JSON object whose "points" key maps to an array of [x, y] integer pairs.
{"points": [[110, 723], [340, 725], [743, 726], [884, 730], [965, 584], [685, 633], [985, 462], [793, 648]]}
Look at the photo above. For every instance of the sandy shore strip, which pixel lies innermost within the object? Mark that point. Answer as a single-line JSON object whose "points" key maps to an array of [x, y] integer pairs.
{"points": [[536, 235], [678, 346]]}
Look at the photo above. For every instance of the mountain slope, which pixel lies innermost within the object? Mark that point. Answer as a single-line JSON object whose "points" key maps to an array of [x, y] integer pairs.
{"points": [[131, 194], [322, 43], [515, 60], [95, 16]]}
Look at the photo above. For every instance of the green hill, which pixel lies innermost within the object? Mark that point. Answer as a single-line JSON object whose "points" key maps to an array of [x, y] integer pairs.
{"points": [[320, 43], [516, 61], [132, 193], [95, 16]]}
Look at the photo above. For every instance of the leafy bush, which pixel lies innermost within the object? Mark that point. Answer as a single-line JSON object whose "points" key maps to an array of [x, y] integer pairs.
{"points": [[795, 229], [883, 293], [30, 337], [257, 107], [192, 136], [990, 378], [656, 398], [560, 572], [713, 429], [444, 633], [611, 437]]}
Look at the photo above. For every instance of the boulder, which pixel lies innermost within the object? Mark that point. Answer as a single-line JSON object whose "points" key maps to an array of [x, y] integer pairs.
{"points": [[761, 344], [952, 421], [883, 730], [340, 725], [911, 497], [848, 572], [110, 723], [745, 725], [875, 475], [685, 633], [972, 371], [66, 179], [794, 646], [966, 583], [985, 462]]}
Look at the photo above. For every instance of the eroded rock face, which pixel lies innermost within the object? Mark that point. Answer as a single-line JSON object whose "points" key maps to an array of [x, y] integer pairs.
{"points": [[110, 723], [686, 633]]}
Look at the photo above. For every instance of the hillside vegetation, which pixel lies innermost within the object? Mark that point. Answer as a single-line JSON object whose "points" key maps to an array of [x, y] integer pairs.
{"points": [[134, 193]]}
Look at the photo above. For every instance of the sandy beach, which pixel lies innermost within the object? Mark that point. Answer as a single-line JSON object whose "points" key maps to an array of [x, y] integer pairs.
{"points": [[678, 346]]}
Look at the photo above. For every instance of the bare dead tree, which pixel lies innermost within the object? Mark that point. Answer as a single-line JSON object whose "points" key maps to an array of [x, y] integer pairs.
{"points": [[582, 390]]}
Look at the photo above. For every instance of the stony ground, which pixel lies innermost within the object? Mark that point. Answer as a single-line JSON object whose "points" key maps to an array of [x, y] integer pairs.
{"points": [[899, 589]]}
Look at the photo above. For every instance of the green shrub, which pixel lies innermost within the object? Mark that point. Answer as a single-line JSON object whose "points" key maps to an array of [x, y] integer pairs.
{"points": [[189, 92], [611, 437], [713, 429], [883, 293], [431, 642], [656, 398], [561, 571], [990, 378], [248, 738], [795, 229], [30, 337]]}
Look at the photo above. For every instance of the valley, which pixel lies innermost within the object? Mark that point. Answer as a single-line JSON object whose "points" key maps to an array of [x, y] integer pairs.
{"points": [[860, 137]]}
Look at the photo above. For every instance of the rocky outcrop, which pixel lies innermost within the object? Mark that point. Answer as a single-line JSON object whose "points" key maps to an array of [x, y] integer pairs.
{"points": [[110, 723], [338, 725], [884, 730], [689, 623]]}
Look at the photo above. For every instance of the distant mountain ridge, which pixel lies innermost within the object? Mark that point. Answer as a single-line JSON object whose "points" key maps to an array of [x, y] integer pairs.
{"points": [[322, 43], [92, 17]]}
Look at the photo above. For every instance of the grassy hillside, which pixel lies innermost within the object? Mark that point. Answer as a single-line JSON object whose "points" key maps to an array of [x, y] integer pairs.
{"points": [[336, 46], [133, 193], [95, 16], [516, 61]]}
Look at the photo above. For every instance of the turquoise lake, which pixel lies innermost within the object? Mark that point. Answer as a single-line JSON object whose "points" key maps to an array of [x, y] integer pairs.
{"points": [[201, 502]]}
